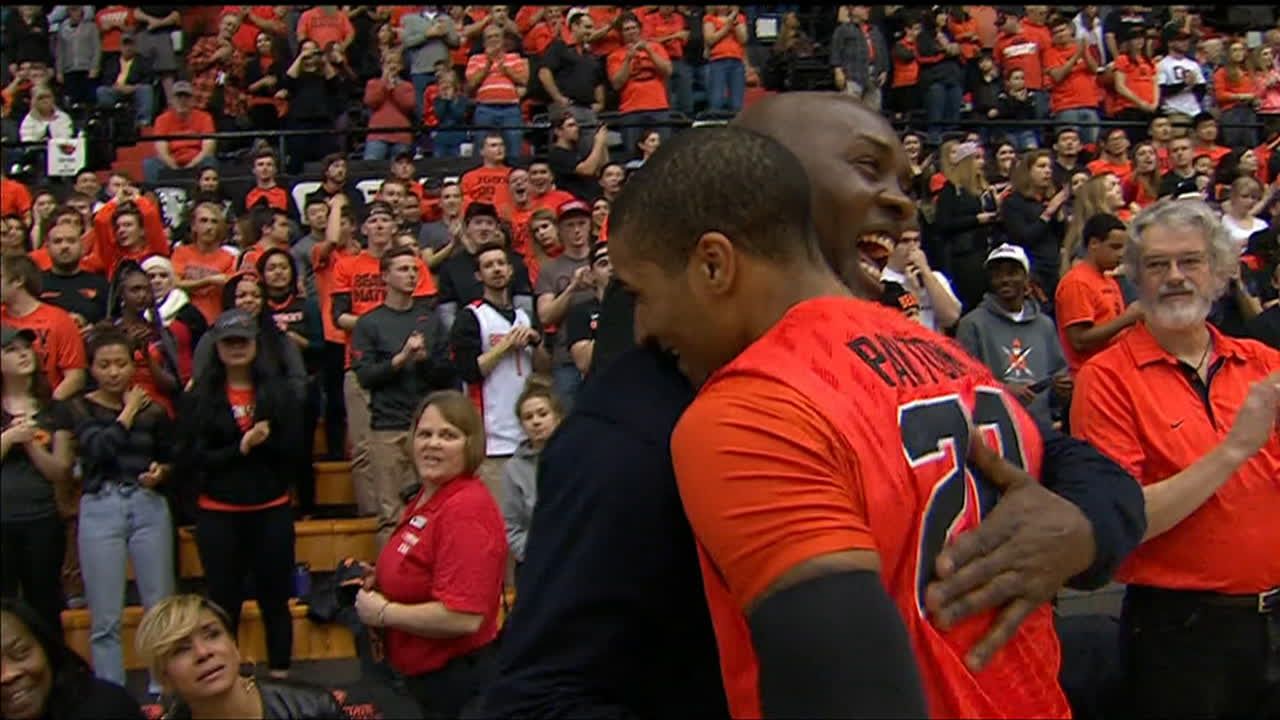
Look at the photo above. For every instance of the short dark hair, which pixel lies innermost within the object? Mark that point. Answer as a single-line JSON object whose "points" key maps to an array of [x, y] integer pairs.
{"points": [[106, 335], [60, 212], [126, 209], [266, 153], [330, 159], [265, 216], [626, 17], [1100, 226], [728, 179], [384, 263], [486, 247], [23, 268]]}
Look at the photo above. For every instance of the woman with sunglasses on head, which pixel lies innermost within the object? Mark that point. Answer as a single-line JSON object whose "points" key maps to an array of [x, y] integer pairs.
{"points": [[43, 679], [239, 445], [36, 455], [189, 644], [125, 444]]}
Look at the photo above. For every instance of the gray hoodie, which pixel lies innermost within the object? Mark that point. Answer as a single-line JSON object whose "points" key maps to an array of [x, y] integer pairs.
{"points": [[520, 493], [1017, 350]]}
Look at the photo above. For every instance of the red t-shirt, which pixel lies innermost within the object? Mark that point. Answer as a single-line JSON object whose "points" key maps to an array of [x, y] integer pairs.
{"points": [[1102, 166], [782, 459], [191, 264], [1020, 52], [1139, 77], [497, 88], [451, 549], [656, 26], [645, 88], [198, 122], [1085, 295], [110, 39], [246, 38], [729, 45], [58, 345], [15, 198], [1079, 89], [315, 24], [1223, 87]]}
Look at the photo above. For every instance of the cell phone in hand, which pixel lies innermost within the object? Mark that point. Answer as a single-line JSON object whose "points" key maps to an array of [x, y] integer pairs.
{"points": [[1041, 385]]}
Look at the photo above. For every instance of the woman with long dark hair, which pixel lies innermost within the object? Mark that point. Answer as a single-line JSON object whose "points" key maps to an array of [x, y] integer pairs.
{"points": [[1034, 216], [245, 291], [125, 445], [132, 308], [297, 318], [239, 444], [45, 679], [36, 454]]}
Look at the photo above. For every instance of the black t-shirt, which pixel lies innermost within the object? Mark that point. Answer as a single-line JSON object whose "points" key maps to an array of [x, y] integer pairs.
{"points": [[1173, 184], [581, 322], [1266, 327], [563, 162], [576, 74], [1120, 17], [25, 494], [83, 294], [457, 282]]}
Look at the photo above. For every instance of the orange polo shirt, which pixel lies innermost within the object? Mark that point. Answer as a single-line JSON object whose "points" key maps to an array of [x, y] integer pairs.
{"points": [[1085, 295], [1148, 412]]}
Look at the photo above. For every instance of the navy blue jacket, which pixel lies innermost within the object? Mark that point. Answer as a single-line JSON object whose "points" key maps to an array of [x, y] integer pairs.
{"points": [[610, 618]]}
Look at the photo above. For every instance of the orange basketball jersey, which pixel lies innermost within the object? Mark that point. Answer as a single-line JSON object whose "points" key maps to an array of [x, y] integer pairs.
{"points": [[846, 427]]}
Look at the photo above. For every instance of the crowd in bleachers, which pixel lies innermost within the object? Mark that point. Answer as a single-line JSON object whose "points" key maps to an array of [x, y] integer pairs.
{"points": [[169, 337]]}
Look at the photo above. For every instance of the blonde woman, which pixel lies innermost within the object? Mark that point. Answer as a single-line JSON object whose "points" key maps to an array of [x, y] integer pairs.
{"points": [[188, 644], [1101, 194], [967, 213]]}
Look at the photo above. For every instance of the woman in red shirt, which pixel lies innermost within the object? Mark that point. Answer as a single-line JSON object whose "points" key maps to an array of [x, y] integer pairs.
{"points": [[724, 32], [1235, 87], [439, 578], [1141, 188]]}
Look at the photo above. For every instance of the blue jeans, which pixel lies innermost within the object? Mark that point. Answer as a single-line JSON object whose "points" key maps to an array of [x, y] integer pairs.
{"points": [[941, 102], [447, 143], [420, 82], [503, 116], [143, 98], [566, 380], [680, 87], [1239, 137], [120, 523], [726, 84], [1085, 119], [383, 150], [153, 166], [636, 124]]}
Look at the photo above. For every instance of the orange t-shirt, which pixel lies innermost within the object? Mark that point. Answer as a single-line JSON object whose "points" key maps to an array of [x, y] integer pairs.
{"points": [[1085, 295], [790, 452], [485, 184], [497, 88], [58, 345], [905, 72], [40, 256], [604, 15], [729, 46], [540, 36], [315, 24], [521, 240], [656, 26], [110, 39], [1020, 52], [645, 89], [324, 290], [1079, 89], [1139, 77], [1102, 166], [1136, 192], [1223, 87], [968, 48], [189, 263], [246, 38], [360, 277], [15, 198], [198, 122], [1134, 403]]}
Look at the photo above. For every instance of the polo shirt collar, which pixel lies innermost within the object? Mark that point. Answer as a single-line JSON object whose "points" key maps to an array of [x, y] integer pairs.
{"points": [[1146, 351]]}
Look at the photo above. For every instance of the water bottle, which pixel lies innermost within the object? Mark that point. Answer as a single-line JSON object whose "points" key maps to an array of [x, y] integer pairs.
{"points": [[302, 580]]}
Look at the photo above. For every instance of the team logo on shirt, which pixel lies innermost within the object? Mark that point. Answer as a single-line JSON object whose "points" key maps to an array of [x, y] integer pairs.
{"points": [[417, 522], [1016, 357]]}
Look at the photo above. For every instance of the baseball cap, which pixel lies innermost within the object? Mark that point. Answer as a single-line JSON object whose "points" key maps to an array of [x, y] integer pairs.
{"points": [[1009, 252], [182, 87], [1175, 32], [379, 207], [574, 13], [572, 206], [599, 251], [479, 209], [234, 323], [8, 334]]}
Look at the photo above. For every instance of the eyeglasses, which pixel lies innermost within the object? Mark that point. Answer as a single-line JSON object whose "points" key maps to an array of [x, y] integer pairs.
{"points": [[1161, 266]]}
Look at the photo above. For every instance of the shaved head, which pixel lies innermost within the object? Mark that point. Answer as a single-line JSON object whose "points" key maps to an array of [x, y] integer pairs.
{"points": [[856, 167]]}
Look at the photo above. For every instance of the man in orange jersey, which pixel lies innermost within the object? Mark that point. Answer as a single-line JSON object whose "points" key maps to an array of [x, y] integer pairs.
{"points": [[58, 342], [864, 413], [266, 187], [487, 183], [1193, 414], [606, 487]]}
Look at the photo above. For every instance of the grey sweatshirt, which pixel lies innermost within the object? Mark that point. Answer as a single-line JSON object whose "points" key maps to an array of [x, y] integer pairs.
{"points": [[1017, 350], [79, 47], [519, 476], [421, 53]]}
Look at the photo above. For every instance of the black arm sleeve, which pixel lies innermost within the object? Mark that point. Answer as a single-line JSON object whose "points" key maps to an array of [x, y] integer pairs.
{"points": [[464, 344], [835, 647], [341, 306], [1107, 495]]}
